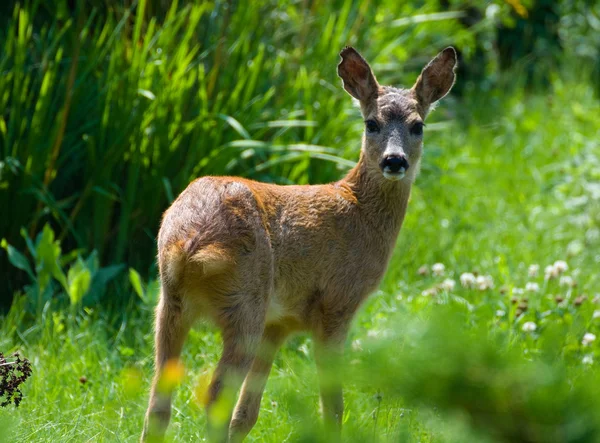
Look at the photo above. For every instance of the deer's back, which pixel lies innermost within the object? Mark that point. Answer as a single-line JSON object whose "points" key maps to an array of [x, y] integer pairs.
{"points": [[310, 243]]}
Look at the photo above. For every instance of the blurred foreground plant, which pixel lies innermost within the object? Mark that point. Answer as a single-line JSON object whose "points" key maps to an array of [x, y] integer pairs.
{"points": [[446, 364]]}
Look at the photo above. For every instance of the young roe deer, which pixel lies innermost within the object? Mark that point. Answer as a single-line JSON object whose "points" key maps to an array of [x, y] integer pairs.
{"points": [[263, 261]]}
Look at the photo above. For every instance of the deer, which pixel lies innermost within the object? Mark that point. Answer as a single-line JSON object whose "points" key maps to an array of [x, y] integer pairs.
{"points": [[263, 261]]}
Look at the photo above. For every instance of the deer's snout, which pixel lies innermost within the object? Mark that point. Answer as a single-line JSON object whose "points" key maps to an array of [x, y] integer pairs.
{"points": [[394, 166]]}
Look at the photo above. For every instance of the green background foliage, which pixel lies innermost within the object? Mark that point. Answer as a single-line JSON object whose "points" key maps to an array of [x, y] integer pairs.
{"points": [[109, 109]]}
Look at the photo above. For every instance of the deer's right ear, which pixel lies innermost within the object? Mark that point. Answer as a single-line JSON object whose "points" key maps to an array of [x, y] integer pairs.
{"points": [[356, 75]]}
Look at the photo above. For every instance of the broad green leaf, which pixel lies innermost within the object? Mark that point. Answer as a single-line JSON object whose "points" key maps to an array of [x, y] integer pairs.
{"points": [[136, 281], [28, 242], [48, 259], [79, 279], [17, 259]]}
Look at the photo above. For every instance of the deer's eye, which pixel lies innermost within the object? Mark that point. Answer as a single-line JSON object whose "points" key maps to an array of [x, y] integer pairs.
{"points": [[417, 128], [372, 126]]}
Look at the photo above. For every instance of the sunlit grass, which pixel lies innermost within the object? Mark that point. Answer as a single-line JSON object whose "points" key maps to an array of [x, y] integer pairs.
{"points": [[505, 192], [485, 327]]}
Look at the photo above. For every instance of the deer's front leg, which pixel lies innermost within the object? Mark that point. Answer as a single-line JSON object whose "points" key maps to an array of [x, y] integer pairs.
{"points": [[329, 359]]}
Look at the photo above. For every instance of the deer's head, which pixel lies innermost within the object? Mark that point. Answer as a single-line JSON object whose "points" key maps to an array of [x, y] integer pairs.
{"points": [[394, 118]]}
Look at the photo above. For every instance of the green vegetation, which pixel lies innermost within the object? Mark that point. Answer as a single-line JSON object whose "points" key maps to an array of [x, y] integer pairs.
{"points": [[510, 179]]}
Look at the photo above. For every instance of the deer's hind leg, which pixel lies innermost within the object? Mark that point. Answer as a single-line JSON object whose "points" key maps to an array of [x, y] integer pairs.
{"points": [[248, 405], [171, 329], [242, 325]]}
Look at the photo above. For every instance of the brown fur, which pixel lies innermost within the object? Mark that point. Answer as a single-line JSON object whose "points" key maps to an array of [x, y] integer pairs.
{"points": [[263, 261]]}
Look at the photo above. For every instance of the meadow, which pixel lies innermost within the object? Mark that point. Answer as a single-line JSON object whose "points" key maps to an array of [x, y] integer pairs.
{"points": [[485, 327]]}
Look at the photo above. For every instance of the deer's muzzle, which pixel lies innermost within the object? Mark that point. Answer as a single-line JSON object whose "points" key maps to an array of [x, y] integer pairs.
{"points": [[394, 167]]}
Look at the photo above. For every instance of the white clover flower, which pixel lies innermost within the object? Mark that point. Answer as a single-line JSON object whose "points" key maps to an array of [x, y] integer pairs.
{"points": [[500, 313], [566, 280], [560, 266], [430, 292], [423, 270], [529, 326], [438, 269], [596, 314], [484, 282], [467, 280], [533, 270], [550, 272], [518, 291], [448, 285], [588, 359], [532, 287], [588, 338], [357, 345]]}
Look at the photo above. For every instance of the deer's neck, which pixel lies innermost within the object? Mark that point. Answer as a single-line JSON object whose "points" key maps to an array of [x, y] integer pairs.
{"points": [[381, 200]]}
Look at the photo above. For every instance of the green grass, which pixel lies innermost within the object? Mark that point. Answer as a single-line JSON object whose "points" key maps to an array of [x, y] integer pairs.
{"points": [[107, 113], [509, 180]]}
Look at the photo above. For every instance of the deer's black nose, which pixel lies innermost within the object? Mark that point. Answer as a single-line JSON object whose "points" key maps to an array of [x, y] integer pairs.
{"points": [[394, 164]]}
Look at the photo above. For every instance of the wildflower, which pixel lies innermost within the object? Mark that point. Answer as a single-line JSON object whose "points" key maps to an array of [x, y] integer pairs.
{"points": [[430, 292], [357, 345], [500, 313], [201, 390], [448, 285], [467, 280], [559, 299], [588, 338], [529, 326], [518, 291], [587, 359], [579, 300], [423, 270], [532, 287], [533, 270], [560, 266], [550, 272], [484, 282], [596, 314], [565, 280], [522, 307], [172, 376], [438, 269]]}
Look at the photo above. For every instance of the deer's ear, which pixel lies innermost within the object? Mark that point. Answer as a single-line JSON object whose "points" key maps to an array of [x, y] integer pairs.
{"points": [[436, 79], [356, 75]]}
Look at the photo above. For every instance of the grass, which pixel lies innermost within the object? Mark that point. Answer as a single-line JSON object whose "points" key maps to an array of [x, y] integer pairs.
{"points": [[509, 180], [109, 112]]}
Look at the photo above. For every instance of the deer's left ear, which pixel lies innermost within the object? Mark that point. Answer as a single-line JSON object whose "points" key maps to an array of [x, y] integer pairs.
{"points": [[436, 79]]}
